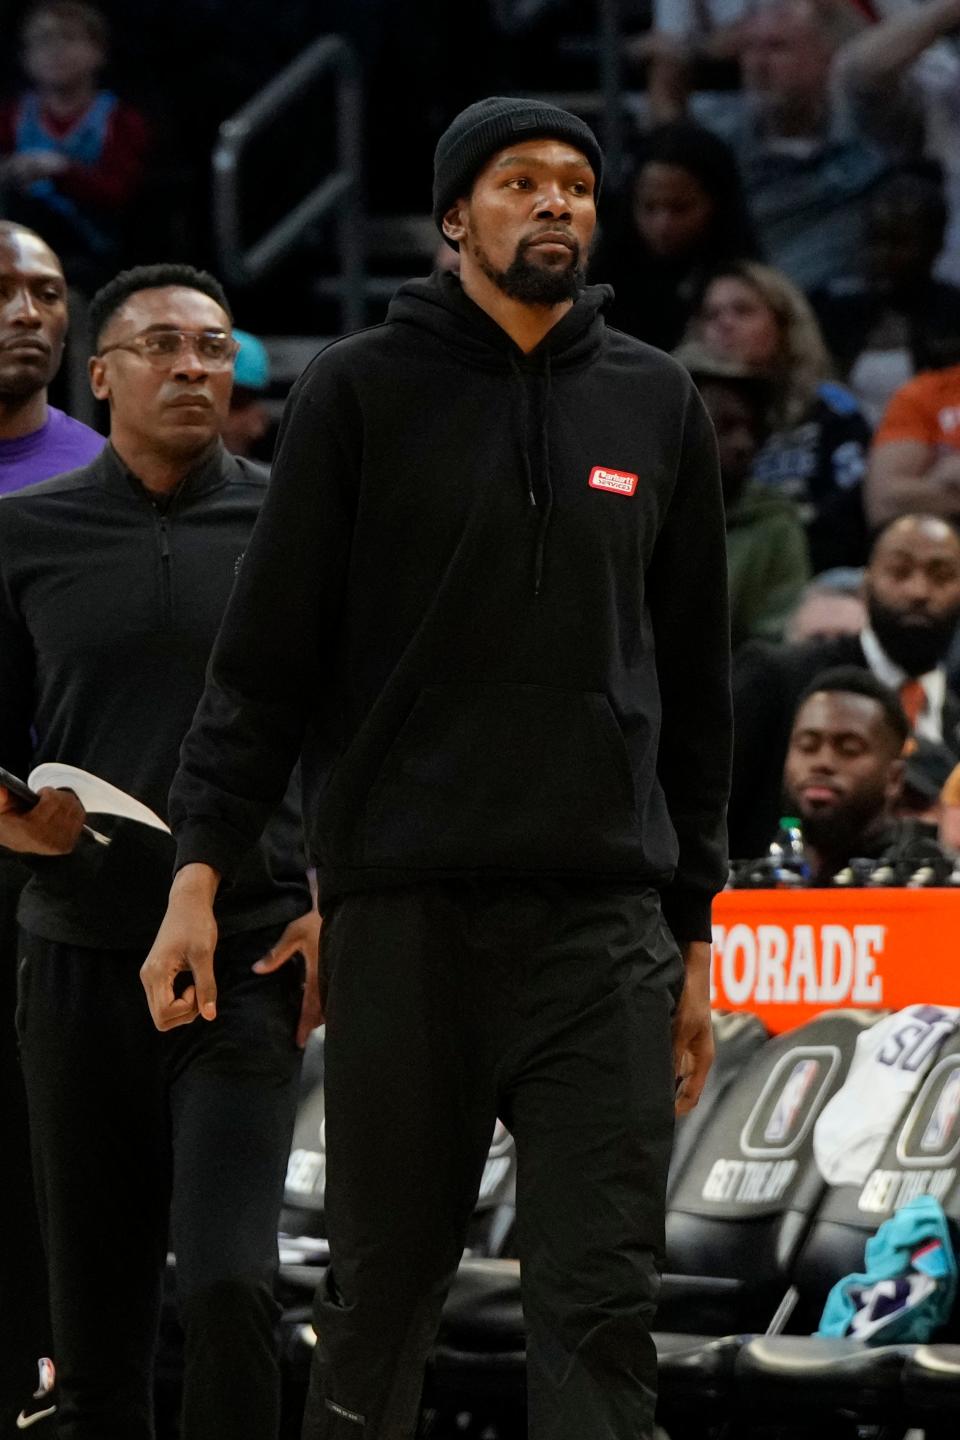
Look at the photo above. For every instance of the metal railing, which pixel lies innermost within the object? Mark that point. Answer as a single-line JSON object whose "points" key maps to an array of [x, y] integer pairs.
{"points": [[337, 196]]}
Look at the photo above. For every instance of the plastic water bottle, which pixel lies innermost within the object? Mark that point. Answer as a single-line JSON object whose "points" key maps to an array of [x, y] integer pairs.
{"points": [[787, 854]]}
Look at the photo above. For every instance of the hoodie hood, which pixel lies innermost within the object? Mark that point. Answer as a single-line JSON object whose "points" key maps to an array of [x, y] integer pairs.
{"points": [[439, 304]]}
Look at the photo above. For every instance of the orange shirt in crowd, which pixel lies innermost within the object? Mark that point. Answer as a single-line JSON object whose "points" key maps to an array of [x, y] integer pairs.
{"points": [[927, 409]]}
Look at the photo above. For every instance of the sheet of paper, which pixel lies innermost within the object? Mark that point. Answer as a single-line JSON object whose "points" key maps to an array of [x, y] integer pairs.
{"points": [[98, 797]]}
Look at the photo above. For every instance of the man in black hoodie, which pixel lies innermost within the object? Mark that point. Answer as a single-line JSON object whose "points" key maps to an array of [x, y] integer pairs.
{"points": [[113, 580], [487, 600]]}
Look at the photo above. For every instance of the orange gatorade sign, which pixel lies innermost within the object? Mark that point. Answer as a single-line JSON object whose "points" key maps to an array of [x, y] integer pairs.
{"points": [[788, 954]]}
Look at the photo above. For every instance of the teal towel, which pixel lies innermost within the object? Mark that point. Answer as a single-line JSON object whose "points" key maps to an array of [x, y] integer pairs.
{"points": [[910, 1285]]}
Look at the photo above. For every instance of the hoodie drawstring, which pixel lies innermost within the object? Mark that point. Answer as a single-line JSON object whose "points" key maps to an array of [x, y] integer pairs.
{"points": [[546, 509], [524, 429]]}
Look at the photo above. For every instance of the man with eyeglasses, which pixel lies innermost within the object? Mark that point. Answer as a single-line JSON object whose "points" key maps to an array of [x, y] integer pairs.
{"points": [[114, 579]]}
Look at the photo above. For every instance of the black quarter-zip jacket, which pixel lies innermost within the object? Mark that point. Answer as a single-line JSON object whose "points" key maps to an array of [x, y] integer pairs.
{"points": [[487, 596], [109, 606]]}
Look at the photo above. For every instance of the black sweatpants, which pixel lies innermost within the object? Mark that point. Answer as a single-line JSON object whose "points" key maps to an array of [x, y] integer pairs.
{"points": [[138, 1136], [549, 1005]]}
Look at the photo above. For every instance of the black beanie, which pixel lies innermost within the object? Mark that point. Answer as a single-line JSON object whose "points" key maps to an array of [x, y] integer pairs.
{"points": [[486, 127]]}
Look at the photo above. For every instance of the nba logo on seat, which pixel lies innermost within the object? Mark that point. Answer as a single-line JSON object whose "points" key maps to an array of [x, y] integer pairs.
{"points": [[792, 1096], [789, 1103], [617, 482], [931, 1133]]}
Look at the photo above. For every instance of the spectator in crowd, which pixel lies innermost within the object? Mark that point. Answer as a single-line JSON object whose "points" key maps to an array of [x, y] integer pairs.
{"points": [[816, 454], [915, 459], [113, 581], [928, 765], [767, 564], [912, 593], [843, 777], [681, 215], [692, 44], [950, 812], [900, 320], [71, 154], [831, 605], [36, 439], [808, 147], [248, 420], [913, 54]]}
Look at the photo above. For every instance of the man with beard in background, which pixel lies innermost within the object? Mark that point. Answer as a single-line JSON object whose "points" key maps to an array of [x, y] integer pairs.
{"points": [[844, 776], [912, 594]]}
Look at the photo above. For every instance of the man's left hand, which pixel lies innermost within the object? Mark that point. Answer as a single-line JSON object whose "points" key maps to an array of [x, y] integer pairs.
{"points": [[693, 1027], [301, 937]]}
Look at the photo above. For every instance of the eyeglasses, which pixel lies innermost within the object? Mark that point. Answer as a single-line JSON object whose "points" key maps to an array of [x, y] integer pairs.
{"points": [[160, 348]]}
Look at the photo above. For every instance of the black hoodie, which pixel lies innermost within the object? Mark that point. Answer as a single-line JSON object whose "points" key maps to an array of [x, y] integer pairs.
{"points": [[479, 580]]}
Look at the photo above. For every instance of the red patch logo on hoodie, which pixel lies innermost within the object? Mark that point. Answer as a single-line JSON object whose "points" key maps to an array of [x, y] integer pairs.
{"points": [[617, 482]]}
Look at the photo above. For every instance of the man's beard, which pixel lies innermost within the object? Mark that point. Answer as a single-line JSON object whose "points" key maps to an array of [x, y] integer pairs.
{"points": [[838, 831], [21, 385], [534, 284], [916, 647]]}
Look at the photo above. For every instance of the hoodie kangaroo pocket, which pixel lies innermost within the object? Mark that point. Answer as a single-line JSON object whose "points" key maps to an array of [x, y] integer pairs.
{"points": [[504, 775]]}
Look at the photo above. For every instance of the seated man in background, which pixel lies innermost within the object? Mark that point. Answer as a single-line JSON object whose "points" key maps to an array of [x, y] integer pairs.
{"points": [[912, 592], [831, 605], [915, 457], [767, 560], [808, 149], [248, 419], [36, 440], [843, 776], [71, 154]]}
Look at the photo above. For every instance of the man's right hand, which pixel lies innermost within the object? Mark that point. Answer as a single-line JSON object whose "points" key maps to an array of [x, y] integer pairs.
{"points": [[52, 827], [185, 943]]}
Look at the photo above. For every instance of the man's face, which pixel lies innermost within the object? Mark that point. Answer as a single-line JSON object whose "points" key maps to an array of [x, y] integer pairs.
{"points": [[901, 245], [912, 589], [784, 57], [824, 615], [671, 209], [843, 768], [33, 315], [738, 434], [176, 409], [528, 221], [737, 322], [58, 51]]}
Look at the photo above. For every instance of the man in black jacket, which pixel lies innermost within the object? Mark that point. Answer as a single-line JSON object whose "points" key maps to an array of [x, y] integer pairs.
{"points": [[487, 598], [912, 592], [113, 581]]}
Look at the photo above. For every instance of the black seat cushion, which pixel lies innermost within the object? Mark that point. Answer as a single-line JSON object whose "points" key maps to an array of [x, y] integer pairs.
{"points": [[791, 1372], [483, 1313]]}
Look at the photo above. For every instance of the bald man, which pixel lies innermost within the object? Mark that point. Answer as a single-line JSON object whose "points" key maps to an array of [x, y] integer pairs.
{"points": [[37, 441], [911, 590]]}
